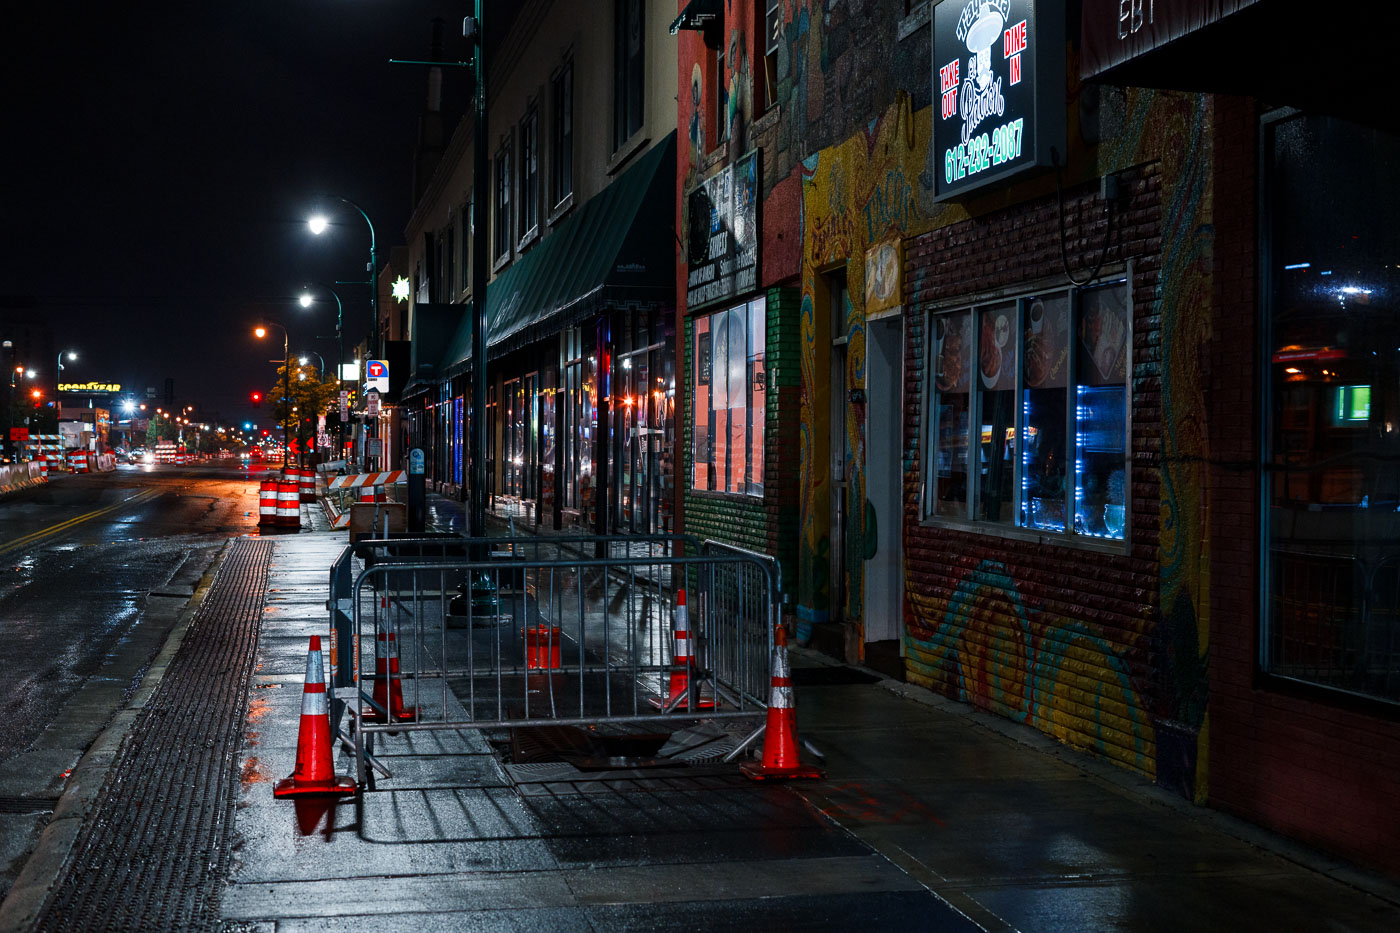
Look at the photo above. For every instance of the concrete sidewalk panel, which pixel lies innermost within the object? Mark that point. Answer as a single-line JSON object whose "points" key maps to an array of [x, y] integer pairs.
{"points": [[656, 827]]}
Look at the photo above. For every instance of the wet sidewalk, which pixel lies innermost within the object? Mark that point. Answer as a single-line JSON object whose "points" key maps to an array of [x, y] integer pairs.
{"points": [[931, 816], [452, 841]]}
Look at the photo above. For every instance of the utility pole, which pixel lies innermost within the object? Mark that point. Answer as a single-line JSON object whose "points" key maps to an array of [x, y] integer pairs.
{"points": [[476, 526]]}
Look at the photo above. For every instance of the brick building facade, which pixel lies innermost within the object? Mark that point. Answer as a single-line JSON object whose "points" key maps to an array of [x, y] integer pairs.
{"points": [[1187, 595]]}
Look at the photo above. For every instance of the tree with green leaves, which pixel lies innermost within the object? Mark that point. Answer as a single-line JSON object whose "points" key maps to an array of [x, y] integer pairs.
{"points": [[308, 397], [161, 427]]}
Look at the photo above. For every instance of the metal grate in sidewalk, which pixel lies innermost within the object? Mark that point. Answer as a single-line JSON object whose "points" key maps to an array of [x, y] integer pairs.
{"points": [[154, 850]]}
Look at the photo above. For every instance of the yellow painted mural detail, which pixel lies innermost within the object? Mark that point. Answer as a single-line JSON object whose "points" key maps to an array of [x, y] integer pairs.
{"points": [[870, 188]]}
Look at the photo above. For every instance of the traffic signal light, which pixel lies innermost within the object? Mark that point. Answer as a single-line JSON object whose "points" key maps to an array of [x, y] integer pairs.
{"points": [[257, 399]]}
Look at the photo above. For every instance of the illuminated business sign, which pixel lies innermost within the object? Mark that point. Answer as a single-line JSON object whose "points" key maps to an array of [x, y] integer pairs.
{"points": [[998, 84], [722, 252], [89, 387]]}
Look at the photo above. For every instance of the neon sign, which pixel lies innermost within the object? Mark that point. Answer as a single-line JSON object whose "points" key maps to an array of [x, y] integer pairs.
{"points": [[996, 68]]}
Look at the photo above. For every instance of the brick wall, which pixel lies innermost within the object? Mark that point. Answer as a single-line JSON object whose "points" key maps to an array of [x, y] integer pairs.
{"points": [[1056, 636], [1311, 766]]}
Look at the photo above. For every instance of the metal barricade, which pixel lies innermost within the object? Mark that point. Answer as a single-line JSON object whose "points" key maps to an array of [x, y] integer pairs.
{"points": [[449, 633]]}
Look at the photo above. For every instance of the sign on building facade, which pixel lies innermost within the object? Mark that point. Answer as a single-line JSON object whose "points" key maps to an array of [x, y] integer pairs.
{"points": [[722, 252], [998, 83]]}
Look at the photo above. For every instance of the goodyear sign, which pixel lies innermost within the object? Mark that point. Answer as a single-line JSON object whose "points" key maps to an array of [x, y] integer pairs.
{"points": [[89, 387]]}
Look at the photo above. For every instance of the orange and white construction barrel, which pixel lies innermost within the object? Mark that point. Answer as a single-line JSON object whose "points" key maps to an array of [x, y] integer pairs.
{"points": [[267, 503], [288, 504]]}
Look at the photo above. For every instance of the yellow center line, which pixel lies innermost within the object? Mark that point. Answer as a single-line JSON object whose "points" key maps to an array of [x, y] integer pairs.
{"points": [[143, 496]]}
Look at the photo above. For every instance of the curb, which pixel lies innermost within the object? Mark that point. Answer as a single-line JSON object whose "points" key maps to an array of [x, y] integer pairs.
{"points": [[44, 867]]}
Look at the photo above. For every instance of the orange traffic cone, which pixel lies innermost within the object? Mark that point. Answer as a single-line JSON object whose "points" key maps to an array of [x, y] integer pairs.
{"points": [[315, 770], [681, 664], [781, 760], [388, 685]]}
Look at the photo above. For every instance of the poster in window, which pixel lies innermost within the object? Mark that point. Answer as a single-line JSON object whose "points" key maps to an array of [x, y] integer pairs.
{"points": [[745, 220], [1047, 342], [702, 359], [952, 348], [1103, 336], [996, 351]]}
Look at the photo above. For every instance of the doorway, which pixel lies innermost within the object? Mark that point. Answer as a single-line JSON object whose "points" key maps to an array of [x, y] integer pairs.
{"points": [[883, 604], [840, 445]]}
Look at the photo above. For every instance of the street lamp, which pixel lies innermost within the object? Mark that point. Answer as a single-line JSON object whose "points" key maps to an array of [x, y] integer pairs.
{"points": [[58, 376], [318, 225], [305, 362], [260, 332], [306, 301]]}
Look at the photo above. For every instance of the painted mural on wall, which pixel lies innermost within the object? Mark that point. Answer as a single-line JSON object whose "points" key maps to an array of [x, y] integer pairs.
{"points": [[872, 187], [987, 646], [860, 180], [1176, 129]]}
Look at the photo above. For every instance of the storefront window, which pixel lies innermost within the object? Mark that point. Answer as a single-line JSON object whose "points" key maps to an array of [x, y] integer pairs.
{"points": [[1062, 452], [729, 401], [1331, 522]]}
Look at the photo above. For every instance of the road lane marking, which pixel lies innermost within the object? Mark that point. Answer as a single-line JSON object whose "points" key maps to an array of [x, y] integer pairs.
{"points": [[35, 537]]}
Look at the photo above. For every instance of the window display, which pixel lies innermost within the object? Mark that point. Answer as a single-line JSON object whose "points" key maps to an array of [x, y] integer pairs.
{"points": [[729, 399], [1330, 536], [1055, 463]]}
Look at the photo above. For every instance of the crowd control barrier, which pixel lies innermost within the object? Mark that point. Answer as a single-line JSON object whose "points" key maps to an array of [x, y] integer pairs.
{"points": [[446, 633]]}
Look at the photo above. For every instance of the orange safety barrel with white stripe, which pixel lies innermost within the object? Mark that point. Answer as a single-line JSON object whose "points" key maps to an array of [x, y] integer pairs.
{"points": [[267, 502], [308, 485], [288, 505]]}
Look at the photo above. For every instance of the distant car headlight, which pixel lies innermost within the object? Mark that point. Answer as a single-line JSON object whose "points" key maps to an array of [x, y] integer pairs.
{"points": [[148, 458]]}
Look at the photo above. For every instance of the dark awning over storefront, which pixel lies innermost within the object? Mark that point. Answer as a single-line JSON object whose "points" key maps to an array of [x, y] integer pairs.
{"points": [[616, 247], [1115, 31], [1283, 54]]}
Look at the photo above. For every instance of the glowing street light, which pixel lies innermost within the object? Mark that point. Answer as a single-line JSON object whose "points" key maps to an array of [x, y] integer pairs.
{"points": [[260, 332]]}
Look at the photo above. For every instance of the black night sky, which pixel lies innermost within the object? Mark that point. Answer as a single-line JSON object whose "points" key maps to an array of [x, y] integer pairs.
{"points": [[161, 160]]}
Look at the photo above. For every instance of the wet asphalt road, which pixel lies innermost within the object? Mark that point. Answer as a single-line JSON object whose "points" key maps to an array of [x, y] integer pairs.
{"points": [[94, 572]]}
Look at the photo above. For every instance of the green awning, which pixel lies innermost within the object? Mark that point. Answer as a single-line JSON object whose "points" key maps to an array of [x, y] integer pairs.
{"points": [[617, 246]]}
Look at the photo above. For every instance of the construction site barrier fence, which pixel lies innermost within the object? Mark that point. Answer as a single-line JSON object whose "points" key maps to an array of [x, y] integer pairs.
{"points": [[443, 632]]}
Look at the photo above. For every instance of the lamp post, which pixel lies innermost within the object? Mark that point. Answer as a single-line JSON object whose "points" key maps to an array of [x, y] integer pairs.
{"points": [[318, 225], [261, 331], [306, 302], [304, 362], [58, 377], [476, 526]]}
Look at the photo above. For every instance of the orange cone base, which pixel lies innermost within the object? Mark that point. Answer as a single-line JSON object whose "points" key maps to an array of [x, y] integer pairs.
{"points": [[403, 714], [701, 702], [755, 771], [291, 787]]}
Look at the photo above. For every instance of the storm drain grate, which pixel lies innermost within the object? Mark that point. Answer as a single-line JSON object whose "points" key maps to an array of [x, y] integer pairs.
{"points": [[153, 852], [28, 804]]}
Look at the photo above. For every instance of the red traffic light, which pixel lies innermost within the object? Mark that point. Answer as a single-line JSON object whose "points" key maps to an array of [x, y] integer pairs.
{"points": [[257, 399]]}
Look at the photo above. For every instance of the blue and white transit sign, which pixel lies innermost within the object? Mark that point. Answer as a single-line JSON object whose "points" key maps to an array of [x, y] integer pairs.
{"points": [[376, 375]]}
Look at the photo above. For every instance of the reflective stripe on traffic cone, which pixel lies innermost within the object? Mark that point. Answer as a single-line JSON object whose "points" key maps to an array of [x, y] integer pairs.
{"points": [[682, 665], [388, 685], [781, 760], [315, 769]]}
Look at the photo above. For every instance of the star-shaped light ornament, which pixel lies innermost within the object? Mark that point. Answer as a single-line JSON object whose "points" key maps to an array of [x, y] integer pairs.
{"points": [[400, 289]]}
